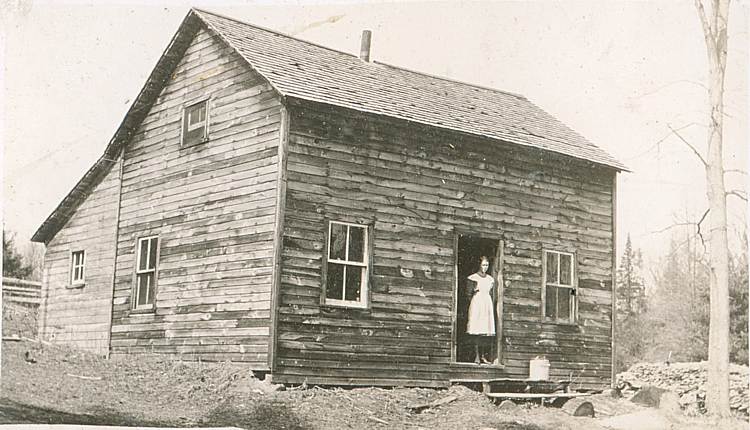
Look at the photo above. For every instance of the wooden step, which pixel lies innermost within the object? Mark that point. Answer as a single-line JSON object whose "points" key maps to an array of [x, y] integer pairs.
{"points": [[535, 395]]}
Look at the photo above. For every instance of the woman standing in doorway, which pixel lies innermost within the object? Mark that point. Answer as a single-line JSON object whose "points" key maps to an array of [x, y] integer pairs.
{"points": [[481, 320]]}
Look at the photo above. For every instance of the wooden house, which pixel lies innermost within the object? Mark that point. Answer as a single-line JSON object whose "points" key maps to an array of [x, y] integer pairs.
{"points": [[315, 214]]}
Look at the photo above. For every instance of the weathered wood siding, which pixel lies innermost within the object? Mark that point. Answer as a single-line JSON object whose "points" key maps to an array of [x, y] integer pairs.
{"points": [[417, 187], [80, 316], [212, 206]]}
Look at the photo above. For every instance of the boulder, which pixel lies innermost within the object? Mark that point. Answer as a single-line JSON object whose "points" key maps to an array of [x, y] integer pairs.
{"points": [[649, 396]]}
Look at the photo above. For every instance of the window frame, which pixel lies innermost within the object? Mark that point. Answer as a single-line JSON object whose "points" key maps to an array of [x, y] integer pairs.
{"points": [[73, 281], [573, 287], [138, 272], [185, 127], [365, 289]]}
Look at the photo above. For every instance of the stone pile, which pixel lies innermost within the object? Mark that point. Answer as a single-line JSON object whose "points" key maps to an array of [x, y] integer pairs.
{"points": [[688, 380]]}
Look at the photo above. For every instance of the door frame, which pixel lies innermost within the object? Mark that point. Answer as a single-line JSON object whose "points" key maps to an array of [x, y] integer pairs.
{"points": [[498, 293]]}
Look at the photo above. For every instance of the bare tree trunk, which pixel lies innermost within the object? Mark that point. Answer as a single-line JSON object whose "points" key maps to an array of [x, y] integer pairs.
{"points": [[717, 387]]}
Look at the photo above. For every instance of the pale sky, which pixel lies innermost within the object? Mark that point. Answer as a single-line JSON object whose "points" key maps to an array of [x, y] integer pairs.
{"points": [[619, 73]]}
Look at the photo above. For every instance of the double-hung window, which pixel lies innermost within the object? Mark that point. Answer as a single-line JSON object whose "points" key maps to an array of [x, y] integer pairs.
{"points": [[347, 265], [559, 287], [195, 123], [77, 266], [145, 272]]}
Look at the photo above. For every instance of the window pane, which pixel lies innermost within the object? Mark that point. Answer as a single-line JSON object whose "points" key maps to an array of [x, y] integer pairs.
{"points": [[196, 114], [143, 254], [151, 289], [152, 253], [551, 302], [195, 135], [337, 242], [353, 283], [145, 282], [357, 244], [566, 269], [335, 281], [552, 261], [563, 303]]}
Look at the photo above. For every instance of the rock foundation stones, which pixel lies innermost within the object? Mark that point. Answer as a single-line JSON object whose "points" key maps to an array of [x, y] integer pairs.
{"points": [[688, 380]]}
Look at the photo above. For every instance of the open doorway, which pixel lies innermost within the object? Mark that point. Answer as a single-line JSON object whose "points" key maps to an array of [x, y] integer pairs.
{"points": [[470, 250]]}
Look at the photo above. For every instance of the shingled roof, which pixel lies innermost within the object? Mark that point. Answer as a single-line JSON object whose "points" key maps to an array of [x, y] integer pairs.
{"points": [[307, 71]]}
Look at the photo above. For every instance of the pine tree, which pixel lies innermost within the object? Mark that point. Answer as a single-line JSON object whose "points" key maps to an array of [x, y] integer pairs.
{"points": [[630, 335], [13, 264], [631, 291]]}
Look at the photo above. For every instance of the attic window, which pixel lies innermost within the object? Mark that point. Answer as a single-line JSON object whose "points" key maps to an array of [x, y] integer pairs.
{"points": [[195, 123]]}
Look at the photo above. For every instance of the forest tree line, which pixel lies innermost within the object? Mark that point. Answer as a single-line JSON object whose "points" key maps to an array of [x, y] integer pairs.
{"points": [[663, 312]]}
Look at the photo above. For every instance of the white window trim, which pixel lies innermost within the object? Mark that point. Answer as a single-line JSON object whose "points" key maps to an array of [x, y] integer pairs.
{"points": [[73, 266], [139, 271], [186, 126], [573, 286], [364, 290]]}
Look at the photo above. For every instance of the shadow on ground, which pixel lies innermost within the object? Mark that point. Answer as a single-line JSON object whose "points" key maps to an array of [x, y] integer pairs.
{"points": [[12, 412], [259, 416]]}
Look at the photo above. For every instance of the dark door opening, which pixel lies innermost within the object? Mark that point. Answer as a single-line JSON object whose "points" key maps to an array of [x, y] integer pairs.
{"points": [[470, 250]]}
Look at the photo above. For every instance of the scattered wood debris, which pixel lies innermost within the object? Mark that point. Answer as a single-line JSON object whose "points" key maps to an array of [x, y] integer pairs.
{"points": [[417, 408], [88, 378], [688, 381]]}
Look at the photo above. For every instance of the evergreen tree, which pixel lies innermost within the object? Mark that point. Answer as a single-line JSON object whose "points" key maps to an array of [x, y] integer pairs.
{"points": [[631, 291], [630, 333], [13, 264]]}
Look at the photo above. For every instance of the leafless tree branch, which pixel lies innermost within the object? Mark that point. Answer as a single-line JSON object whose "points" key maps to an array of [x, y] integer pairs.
{"points": [[738, 194], [680, 81], [695, 151], [674, 225], [665, 137], [688, 224], [703, 242], [740, 171], [708, 31]]}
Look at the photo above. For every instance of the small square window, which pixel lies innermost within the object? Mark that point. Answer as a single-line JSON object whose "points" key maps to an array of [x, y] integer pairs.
{"points": [[77, 267], [347, 265], [195, 123], [559, 289]]}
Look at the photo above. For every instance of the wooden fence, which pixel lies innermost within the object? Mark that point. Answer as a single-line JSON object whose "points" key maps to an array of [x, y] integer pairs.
{"points": [[27, 293]]}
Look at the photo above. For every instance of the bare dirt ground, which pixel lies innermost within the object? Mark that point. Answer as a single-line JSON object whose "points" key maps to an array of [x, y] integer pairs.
{"points": [[67, 386], [51, 384]]}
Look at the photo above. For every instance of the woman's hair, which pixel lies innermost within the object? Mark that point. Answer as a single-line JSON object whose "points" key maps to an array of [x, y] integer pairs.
{"points": [[483, 258]]}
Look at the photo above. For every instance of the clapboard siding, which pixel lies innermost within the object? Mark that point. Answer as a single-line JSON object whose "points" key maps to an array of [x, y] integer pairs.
{"points": [[417, 187], [80, 316], [213, 207]]}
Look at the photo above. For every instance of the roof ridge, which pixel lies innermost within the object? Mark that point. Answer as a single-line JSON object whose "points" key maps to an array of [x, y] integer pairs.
{"points": [[276, 32], [279, 33]]}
